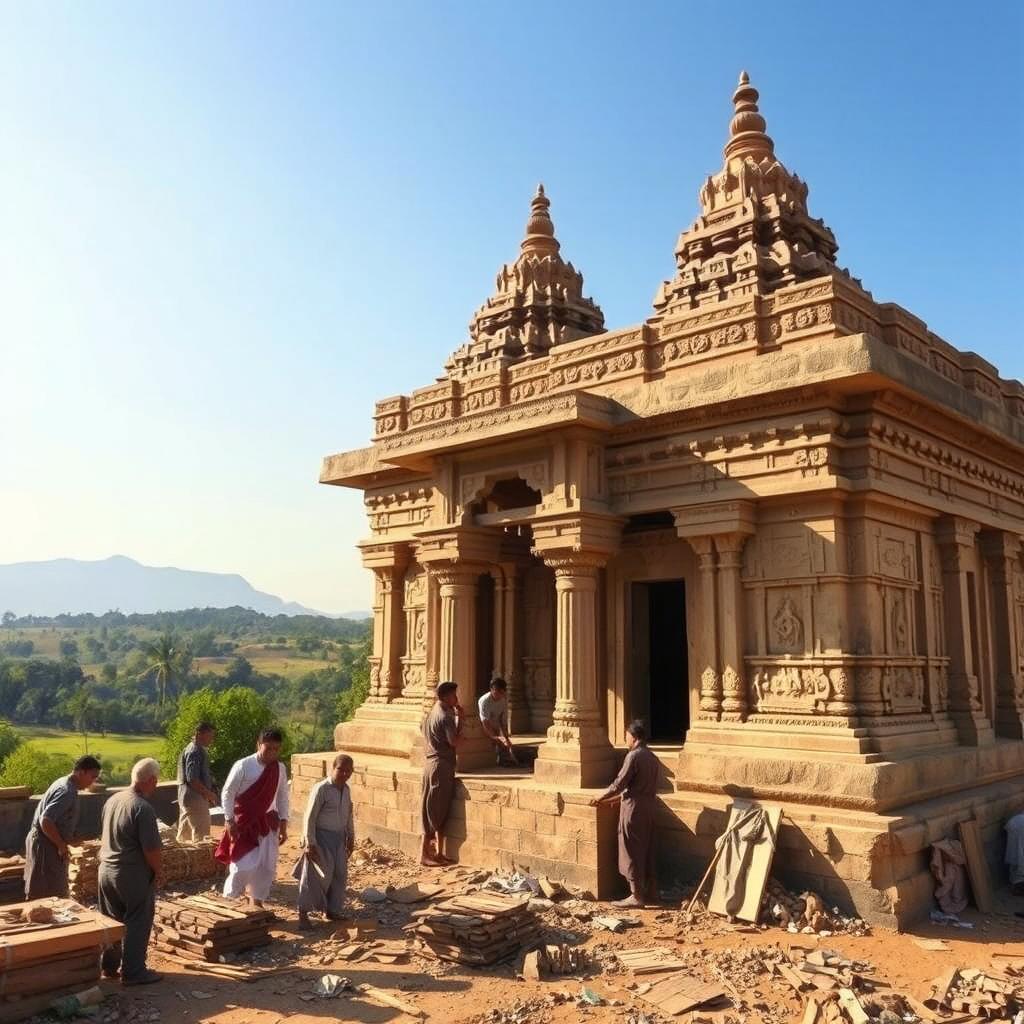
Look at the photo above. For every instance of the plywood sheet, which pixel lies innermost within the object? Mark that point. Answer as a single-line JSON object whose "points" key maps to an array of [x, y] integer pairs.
{"points": [[755, 864], [977, 867], [679, 993]]}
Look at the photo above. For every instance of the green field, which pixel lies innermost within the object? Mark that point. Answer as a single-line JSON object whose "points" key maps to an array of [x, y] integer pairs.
{"points": [[117, 752]]}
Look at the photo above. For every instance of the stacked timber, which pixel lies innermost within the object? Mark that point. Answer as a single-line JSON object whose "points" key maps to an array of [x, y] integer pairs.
{"points": [[49, 948], [12, 878], [182, 862], [205, 927], [477, 929]]}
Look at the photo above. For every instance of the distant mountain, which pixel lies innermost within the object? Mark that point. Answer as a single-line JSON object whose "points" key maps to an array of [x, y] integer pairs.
{"points": [[72, 586]]}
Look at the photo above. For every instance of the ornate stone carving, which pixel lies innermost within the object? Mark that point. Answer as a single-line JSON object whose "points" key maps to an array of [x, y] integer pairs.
{"points": [[900, 624], [787, 627], [710, 690], [754, 233], [538, 302]]}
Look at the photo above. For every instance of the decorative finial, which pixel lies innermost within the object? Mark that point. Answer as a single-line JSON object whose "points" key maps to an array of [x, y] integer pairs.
{"points": [[540, 231], [747, 129], [540, 188]]}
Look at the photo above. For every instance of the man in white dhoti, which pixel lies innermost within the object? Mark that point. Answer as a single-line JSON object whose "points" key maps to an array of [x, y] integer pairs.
{"points": [[328, 837], [255, 800]]}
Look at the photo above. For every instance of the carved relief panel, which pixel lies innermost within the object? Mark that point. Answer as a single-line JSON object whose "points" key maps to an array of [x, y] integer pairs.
{"points": [[786, 628], [414, 660]]}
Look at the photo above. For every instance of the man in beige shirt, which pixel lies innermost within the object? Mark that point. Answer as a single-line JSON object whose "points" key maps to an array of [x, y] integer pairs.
{"points": [[328, 838]]}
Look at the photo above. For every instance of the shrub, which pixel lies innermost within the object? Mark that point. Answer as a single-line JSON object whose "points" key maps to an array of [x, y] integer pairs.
{"points": [[238, 715], [30, 766], [9, 741]]}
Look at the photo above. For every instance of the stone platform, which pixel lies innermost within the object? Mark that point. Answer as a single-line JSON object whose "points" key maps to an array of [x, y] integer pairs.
{"points": [[875, 865]]}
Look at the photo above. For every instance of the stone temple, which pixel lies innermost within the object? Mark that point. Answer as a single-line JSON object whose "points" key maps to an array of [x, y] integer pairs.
{"points": [[779, 520]]}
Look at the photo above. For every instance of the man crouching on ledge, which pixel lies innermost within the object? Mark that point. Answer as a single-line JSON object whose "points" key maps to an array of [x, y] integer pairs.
{"points": [[255, 800], [442, 730]]}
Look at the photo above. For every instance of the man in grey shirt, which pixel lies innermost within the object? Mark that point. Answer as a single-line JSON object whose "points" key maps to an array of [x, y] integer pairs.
{"points": [[195, 786], [131, 866], [53, 828]]}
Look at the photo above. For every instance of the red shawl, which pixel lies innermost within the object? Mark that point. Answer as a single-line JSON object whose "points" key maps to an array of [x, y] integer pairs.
{"points": [[253, 817]]}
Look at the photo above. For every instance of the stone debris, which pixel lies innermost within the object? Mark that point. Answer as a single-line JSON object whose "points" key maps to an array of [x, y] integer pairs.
{"points": [[994, 994], [12, 878], [205, 927], [477, 929], [806, 913], [553, 960], [182, 862]]}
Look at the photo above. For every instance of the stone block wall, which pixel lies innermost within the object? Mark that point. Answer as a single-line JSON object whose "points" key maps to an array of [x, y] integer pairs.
{"points": [[16, 815]]}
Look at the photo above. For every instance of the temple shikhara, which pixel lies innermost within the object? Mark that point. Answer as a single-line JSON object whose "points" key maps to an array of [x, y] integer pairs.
{"points": [[779, 520]]}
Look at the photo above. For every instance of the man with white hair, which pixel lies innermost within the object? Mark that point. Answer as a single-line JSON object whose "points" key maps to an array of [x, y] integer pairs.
{"points": [[131, 870]]}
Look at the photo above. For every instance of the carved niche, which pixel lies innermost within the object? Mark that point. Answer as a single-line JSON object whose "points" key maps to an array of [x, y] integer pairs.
{"points": [[785, 626]]}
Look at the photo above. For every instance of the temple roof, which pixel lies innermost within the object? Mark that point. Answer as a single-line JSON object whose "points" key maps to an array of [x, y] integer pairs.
{"points": [[754, 233], [538, 303]]}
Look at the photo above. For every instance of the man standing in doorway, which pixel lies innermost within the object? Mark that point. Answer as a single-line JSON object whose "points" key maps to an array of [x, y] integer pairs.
{"points": [[329, 837], [636, 785], [493, 708], [53, 828], [442, 730], [131, 870], [195, 786], [255, 799]]}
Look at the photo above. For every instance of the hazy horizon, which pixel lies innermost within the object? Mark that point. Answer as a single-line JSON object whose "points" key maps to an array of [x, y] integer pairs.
{"points": [[227, 230]]}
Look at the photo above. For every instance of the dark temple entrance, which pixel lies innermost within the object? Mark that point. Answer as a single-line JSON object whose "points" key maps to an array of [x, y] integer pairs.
{"points": [[660, 690]]}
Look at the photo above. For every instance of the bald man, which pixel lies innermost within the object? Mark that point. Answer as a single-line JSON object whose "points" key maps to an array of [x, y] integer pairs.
{"points": [[328, 836]]}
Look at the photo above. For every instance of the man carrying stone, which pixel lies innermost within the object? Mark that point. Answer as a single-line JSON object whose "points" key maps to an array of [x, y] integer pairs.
{"points": [[255, 800], [442, 730], [53, 828], [493, 708], [328, 835], [131, 870], [195, 786], [636, 785]]}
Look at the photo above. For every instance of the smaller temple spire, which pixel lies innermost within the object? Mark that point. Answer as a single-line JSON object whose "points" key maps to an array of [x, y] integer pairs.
{"points": [[747, 135], [540, 230]]}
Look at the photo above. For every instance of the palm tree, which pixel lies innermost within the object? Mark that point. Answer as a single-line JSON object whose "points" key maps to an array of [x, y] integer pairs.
{"points": [[165, 656]]}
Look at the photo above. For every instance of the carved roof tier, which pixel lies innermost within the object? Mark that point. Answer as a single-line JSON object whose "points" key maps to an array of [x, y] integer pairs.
{"points": [[538, 303], [754, 233]]}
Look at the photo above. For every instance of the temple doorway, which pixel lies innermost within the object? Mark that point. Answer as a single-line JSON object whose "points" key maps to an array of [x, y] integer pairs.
{"points": [[660, 691]]}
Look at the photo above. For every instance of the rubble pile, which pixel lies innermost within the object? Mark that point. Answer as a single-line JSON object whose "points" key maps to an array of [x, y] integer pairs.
{"points": [[206, 927], [993, 994], [182, 862], [806, 913], [476, 929], [12, 878]]}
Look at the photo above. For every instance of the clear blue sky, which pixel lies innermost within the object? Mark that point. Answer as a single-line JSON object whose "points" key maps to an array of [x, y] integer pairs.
{"points": [[225, 229]]}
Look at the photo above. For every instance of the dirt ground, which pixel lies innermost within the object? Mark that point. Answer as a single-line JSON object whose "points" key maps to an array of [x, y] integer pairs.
{"points": [[449, 993]]}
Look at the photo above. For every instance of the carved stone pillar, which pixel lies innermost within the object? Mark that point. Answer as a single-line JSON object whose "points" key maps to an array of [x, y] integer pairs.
{"points": [[1001, 551], [388, 563], [732, 625], [508, 643], [955, 540], [457, 588], [707, 639], [577, 751]]}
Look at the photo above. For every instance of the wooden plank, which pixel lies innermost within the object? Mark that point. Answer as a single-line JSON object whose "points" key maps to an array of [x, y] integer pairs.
{"points": [[679, 993], [852, 1008], [977, 866], [756, 863]]}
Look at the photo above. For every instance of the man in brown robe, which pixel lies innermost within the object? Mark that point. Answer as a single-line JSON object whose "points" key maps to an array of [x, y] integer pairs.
{"points": [[636, 786], [442, 729]]}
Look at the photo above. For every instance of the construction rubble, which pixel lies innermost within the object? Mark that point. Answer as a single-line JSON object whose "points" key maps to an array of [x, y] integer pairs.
{"points": [[182, 862]]}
